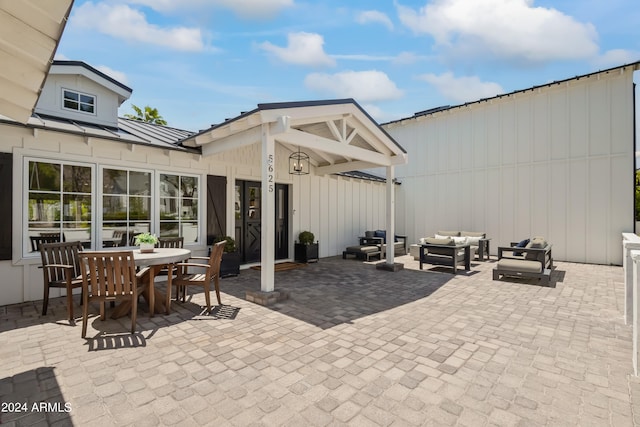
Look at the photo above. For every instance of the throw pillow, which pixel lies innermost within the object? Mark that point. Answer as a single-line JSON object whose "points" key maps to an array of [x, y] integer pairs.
{"points": [[460, 240], [448, 233], [441, 236], [536, 243], [473, 241], [521, 244], [381, 233]]}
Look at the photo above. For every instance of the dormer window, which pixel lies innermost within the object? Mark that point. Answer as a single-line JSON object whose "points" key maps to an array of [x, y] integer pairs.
{"points": [[78, 101]]}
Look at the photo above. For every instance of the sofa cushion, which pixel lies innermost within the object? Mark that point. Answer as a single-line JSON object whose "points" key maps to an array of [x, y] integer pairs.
{"points": [[517, 265], [473, 234], [434, 241], [364, 249], [448, 233]]}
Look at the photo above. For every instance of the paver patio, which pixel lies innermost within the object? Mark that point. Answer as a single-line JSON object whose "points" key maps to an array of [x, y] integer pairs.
{"points": [[352, 346]]}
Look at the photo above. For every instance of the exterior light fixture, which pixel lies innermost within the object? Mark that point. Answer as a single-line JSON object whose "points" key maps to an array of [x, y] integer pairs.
{"points": [[299, 163]]}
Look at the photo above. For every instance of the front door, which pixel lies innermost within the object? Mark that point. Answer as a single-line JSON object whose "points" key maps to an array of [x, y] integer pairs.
{"points": [[248, 208]]}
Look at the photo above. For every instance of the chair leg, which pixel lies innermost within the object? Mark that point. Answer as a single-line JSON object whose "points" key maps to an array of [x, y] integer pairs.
{"points": [[102, 310], [207, 296], [85, 317], [70, 301], [134, 312], [45, 300], [216, 284], [169, 285]]}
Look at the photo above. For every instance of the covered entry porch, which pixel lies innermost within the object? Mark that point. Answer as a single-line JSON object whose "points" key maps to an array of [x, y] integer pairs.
{"points": [[337, 135]]}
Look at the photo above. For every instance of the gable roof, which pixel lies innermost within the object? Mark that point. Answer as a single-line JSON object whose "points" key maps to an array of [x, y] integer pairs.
{"points": [[86, 70], [338, 134]]}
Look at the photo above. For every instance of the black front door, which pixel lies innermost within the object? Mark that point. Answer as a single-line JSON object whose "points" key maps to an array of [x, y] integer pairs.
{"points": [[248, 211]]}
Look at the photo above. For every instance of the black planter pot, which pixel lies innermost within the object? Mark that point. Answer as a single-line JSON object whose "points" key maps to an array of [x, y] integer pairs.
{"points": [[306, 253], [230, 264]]}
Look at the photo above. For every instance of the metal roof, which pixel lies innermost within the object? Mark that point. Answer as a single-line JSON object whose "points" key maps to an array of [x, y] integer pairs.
{"points": [[634, 65], [128, 131]]}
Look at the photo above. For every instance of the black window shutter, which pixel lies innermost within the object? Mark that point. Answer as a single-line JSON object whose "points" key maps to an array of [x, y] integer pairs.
{"points": [[6, 198], [216, 207]]}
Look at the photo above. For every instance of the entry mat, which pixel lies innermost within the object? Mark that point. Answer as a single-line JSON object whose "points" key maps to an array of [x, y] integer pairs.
{"points": [[283, 266]]}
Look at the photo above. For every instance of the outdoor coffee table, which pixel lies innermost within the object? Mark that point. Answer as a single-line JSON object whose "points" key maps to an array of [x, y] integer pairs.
{"points": [[156, 260], [446, 255]]}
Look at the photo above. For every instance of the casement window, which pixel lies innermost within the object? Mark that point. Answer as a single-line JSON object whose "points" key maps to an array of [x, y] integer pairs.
{"points": [[59, 202], [77, 101], [179, 206]]}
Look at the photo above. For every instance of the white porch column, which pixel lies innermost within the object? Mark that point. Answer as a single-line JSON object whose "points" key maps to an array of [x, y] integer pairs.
{"points": [[630, 242], [268, 212], [391, 218], [634, 265]]}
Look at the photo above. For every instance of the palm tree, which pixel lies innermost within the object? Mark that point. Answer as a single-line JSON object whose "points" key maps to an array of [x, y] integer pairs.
{"points": [[149, 115]]}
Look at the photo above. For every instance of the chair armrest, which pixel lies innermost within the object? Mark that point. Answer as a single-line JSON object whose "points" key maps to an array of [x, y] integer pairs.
{"points": [[199, 257], [371, 240], [191, 264]]}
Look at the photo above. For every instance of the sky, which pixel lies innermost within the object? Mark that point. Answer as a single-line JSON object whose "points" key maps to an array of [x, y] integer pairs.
{"points": [[200, 62]]}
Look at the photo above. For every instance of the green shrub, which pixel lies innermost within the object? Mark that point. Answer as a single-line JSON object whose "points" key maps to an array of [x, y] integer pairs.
{"points": [[230, 246], [306, 237]]}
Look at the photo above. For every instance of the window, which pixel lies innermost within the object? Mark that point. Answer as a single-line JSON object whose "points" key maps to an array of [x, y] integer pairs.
{"points": [[61, 198], [79, 101], [126, 205], [59, 202], [179, 207]]}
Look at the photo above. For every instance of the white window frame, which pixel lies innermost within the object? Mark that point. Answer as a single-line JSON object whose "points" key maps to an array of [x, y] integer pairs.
{"points": [[153, 222], [26, 242], [97, 199], [79, 110], [199, 222]]}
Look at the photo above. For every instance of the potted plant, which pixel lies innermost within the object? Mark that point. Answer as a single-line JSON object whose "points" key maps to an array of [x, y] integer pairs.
{"points": [[230, 264], [146, 241], [305, 248]]}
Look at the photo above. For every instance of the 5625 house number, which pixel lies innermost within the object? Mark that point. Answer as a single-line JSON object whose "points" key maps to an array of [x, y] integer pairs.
{"points": [[270, 174]]}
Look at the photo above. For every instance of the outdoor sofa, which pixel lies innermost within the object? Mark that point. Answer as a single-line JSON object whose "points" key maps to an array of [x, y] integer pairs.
{"points": [[374, 244], [533, 260], [479, 244]]}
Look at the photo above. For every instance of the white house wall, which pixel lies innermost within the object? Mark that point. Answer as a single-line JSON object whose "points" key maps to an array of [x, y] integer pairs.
{"points": [[555, 161], [336, 209]]}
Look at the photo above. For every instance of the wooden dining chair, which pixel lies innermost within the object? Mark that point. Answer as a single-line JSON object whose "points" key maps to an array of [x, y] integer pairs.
{"points": [[109, 276], [36, 241], [211, 273], [171, 242], [61, 269]]}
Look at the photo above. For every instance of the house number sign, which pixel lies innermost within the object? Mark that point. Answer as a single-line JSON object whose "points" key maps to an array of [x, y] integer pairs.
{"points": [[270, 175]]}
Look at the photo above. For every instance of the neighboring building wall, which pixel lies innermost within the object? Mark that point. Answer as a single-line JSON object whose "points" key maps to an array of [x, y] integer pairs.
{"points": [[555, 161], [336, 209]]}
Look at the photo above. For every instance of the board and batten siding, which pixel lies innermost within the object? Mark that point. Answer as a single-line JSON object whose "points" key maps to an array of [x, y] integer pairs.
{"points": [[335, 208], [555, 161]]}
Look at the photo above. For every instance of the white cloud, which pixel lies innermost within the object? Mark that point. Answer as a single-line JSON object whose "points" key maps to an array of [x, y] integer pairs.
{"points": [[363, 86], [255, 9], [375, 16], [510, 29], [117, 75], [302, 49], [123, 22], [615, 57], [462, 89]]}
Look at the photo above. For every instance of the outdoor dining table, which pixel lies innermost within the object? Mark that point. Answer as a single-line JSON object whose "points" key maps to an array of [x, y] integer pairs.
{"points": [[156, 261]]}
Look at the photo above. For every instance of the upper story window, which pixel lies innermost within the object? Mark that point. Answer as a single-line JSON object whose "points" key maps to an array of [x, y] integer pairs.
{"points": [[78, 101]]}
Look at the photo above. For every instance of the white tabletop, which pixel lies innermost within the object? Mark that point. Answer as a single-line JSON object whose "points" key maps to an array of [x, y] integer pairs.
{"points": [[160, 256]]}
